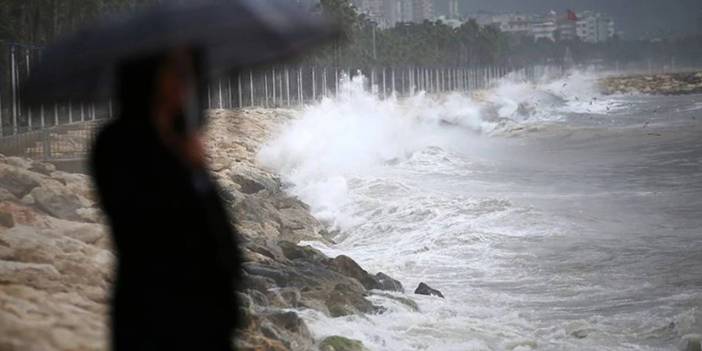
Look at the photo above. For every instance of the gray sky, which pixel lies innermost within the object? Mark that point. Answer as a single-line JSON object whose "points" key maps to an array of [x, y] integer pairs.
{"points": [[634, 17]]}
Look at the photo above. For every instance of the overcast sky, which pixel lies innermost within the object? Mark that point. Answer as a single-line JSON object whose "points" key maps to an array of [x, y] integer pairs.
{"points": [[634, 17]]}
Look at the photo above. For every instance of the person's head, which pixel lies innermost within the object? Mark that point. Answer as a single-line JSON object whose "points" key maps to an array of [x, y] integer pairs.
{"points": [[163, 92]]}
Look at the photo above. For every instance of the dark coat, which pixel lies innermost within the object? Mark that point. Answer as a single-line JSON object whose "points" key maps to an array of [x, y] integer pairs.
{"points": [[178, 264]]}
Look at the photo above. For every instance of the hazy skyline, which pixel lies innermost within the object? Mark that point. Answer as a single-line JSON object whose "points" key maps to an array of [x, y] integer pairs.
{"points": [[635, 18]]}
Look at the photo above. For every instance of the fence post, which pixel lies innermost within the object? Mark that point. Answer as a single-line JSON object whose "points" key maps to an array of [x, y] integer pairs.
{"points": [[46, 144], [220, 92], [209, 96], [238, 88], [384, 84], [300, 92], [392, 77], [229, 92], [336, 81], [70, 112], [13, 72], [314, 86], [275, 101], [403, 87], [56, 117], [287, 85], [265, 87], [251, 85], [29, 109]]}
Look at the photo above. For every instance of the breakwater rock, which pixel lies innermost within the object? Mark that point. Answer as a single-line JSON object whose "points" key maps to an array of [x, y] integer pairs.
{"points": [[56, 257], [657, 84]]}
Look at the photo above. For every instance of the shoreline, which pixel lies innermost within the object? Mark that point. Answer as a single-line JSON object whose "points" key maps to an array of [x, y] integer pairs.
{"points": [[56, 256], [654, 84]]}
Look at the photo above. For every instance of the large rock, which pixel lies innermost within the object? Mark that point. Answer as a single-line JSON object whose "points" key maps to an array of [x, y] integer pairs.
{"points": [[388, 283], [58, 201], [340, 343], [424, 289], [17, 181], [345, 300], [348, 267], [6, 219], [56, 265]]}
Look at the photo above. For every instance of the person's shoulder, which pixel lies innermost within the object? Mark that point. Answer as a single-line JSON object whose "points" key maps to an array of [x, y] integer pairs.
{"points": [[111, 143]]}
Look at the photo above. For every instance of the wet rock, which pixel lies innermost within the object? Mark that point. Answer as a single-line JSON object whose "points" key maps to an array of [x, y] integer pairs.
{"points": [[42, 167], [388, 283], [344, 300], [308, 253], [18, 162], [348, 267], [17, 181], [411, 304], [6, 219], [340, 343], [5, 195], [247, 185], [424, 289], [58, 201], [56, 261]]}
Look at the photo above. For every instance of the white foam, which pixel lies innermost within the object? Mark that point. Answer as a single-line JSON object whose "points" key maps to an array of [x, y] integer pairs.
{"points": [[401, 179]]}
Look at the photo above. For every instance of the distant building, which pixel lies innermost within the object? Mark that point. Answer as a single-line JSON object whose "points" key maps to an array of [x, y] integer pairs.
{"points": [[545, 27], [397, 11], [453, 10], [422, 10], [567, 26], [509, 23], [588, 26], [388, 13], [594, 27]]}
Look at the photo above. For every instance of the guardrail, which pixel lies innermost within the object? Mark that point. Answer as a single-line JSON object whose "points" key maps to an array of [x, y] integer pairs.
{"points": [[65, 131], [66, 142]]}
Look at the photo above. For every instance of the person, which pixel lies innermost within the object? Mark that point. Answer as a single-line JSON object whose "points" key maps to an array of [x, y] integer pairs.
{"points": [[178, 265]]}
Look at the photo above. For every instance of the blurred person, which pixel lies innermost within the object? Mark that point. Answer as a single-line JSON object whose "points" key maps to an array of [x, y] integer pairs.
{"points": [[178, 265]]}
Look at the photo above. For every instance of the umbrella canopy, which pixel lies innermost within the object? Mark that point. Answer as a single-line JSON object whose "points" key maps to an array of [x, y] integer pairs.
{"points": [[233, 34]]}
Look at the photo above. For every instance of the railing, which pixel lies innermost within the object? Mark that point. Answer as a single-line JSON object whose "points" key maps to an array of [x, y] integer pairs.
{"points": [[57, 143], [64, 131]]}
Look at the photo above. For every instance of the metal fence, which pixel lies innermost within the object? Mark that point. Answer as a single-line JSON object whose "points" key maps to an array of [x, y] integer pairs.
{"points": [[63, 130]]}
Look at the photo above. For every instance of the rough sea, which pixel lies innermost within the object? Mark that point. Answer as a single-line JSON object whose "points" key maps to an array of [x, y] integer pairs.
{"points": [[550, 216]]}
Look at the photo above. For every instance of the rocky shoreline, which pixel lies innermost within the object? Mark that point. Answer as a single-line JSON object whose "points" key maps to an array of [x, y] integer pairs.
{"points": [[56, 257], [656, 84]]}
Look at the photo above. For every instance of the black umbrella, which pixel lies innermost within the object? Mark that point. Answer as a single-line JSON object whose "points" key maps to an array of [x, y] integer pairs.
{"points": [[234, 34]]}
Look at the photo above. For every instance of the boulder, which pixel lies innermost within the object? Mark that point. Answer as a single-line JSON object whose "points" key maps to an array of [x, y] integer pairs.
{"points": [[17, 181], [348, 267], [247, 185], [344, 300], [42, 167], [6, 219], [411, 304], [424, 289], [340, 343], [387, 283], [56, 200]]}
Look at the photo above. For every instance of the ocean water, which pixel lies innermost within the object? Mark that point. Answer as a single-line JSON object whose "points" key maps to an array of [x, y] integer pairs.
{"points": [[551, 217]]}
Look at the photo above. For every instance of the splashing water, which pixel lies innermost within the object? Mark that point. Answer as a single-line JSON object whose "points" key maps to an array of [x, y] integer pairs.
{"points": [[568, 237]]}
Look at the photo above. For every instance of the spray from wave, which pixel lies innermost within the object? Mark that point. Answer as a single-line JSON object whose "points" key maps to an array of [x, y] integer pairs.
{"points": [[509, 227], [356, 131]]}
